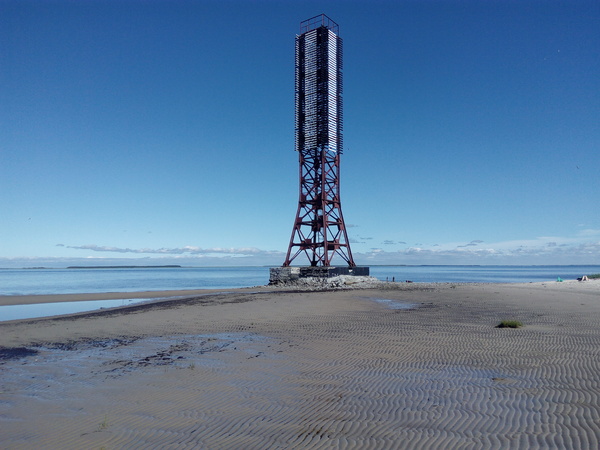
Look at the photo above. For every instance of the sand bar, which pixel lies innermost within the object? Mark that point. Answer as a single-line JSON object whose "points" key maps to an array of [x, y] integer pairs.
{"points": [[6, 300], [283, 369]]}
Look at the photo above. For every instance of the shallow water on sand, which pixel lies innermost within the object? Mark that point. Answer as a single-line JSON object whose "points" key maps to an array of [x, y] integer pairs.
{"points": [[395, 304], [15, 312]]}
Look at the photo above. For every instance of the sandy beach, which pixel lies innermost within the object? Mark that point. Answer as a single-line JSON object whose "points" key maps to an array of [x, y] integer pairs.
{"points": [[400, 366]]}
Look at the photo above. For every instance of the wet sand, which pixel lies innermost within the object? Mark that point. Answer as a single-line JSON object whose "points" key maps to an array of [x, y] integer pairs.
{"points": [[412, 366], [6, 300]]}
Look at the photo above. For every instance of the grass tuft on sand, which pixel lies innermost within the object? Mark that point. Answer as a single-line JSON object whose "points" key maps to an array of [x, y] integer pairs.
{"points": [[509, 324]]}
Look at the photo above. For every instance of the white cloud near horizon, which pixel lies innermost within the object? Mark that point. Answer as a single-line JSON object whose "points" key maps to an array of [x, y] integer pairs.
{"points": [[582, 249], [543, 251], [589, 233], [474, 252], [190, 250]]}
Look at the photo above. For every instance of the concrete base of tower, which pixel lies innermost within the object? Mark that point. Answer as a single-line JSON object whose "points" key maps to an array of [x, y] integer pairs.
{"points": [[279, 275]]}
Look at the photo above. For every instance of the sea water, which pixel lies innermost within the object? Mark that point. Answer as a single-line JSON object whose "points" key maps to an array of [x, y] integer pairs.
{"points": [[74, 281], [70, 281]]}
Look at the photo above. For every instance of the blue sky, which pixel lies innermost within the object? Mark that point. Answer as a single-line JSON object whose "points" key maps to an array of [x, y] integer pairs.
{"points": [[162, 132]]}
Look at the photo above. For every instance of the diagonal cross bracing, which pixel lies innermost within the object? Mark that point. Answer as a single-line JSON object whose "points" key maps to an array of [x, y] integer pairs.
{"points": [[319, 231]]}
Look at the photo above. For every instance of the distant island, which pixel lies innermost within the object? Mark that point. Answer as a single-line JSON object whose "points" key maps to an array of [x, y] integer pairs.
{"points": [[125, 267]]}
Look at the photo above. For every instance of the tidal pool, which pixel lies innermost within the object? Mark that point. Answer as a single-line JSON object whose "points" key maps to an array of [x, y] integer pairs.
{"points": [[395, 304], [15, 312]]}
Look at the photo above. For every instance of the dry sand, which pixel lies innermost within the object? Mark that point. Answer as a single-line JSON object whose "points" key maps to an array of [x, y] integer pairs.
{"points": [[267, 368]]}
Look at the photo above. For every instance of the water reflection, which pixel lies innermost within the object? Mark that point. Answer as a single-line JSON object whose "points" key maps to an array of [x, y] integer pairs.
{"points": [[15, 312], [395, 304]]}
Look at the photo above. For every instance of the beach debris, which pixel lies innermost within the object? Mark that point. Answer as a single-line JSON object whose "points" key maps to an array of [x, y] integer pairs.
{"points": [[583, 278], [104, 424]]}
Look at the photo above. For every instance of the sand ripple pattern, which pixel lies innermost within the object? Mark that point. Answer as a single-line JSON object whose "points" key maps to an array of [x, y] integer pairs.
{"points": [[357, 374]]}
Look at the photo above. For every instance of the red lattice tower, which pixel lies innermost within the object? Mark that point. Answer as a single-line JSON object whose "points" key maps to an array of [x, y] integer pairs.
{"points": [[319, 230]]}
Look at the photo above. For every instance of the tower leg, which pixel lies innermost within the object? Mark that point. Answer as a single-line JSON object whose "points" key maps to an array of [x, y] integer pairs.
{"points": [[319, 230]]}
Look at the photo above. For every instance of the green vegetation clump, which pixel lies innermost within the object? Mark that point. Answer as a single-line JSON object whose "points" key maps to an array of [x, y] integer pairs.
{"points": [[596, 276], [509, 324]]}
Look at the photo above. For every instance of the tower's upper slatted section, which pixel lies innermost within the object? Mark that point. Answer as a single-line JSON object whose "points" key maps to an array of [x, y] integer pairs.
{"points": [[319, 86]]}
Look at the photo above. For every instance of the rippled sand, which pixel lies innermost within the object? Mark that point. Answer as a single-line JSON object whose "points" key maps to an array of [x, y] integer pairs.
{"points": [[419, 366]]}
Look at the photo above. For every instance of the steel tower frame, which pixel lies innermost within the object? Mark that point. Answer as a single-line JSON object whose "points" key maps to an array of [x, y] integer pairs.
{"points": [[319, 230]]}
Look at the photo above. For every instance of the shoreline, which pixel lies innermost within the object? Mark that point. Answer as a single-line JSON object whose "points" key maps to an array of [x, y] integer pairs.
{"points": [[29, 299]]}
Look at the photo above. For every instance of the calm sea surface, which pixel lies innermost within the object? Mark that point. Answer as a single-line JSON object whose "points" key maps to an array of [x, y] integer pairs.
{"points": [[68, 281]]}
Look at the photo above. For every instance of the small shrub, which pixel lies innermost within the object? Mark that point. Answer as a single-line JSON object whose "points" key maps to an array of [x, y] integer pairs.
{"points": [[595, 276], [509, 324]]}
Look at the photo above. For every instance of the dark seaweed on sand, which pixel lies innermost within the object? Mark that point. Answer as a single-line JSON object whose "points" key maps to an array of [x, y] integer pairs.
{"points": [[15, 353]]}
